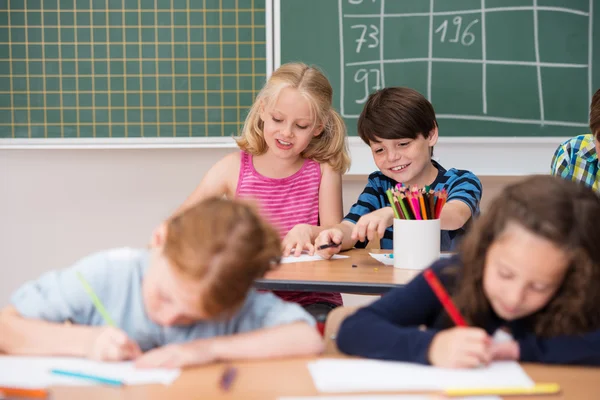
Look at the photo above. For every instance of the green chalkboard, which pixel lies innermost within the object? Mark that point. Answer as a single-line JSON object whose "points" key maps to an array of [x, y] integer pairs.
{"points": [[129, 68], [490, 67]]}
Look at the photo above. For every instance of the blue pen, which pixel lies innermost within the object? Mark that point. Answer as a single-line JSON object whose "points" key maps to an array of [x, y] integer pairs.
{"points": [[89, 377]]}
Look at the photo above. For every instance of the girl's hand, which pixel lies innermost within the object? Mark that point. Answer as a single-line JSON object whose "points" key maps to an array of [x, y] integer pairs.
{"points": [[332, 235], [178, 355], [461, 348], [375, 222], [300, 238], [112, 344], [505, 351]]}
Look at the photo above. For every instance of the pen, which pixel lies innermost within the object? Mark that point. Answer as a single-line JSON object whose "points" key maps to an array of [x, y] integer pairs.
{"points": [[89, 377], [11, 392], [444, 298], [228, 377], [97, 303], [328, 245], [541, 388]]}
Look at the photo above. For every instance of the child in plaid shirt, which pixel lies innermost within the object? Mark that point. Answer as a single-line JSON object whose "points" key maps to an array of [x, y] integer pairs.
{"points": [[577, 158]]}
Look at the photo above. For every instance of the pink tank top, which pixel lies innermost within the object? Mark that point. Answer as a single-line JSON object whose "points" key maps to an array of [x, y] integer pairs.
{"points": [[286, 202]]}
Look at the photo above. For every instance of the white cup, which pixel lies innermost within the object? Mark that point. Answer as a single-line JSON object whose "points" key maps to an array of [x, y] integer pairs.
{"points": [[416, 243]]}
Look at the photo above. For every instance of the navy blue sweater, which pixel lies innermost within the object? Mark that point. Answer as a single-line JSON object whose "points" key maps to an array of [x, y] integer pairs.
{"points": [[389, 328]]}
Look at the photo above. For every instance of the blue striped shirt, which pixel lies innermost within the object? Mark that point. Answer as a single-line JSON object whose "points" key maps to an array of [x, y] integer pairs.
{"points": [[460, 184]]}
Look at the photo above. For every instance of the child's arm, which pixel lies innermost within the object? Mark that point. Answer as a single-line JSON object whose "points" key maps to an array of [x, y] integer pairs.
{"points": [[330, 197], [366, 217], [341, 234], [295, 339], [26, 336], [220, 180], [454, 215], [369, 226], [561, 162], [464, 195], [389, 329], [265, 327], [34, 323], [36, 337], [575, 349]]}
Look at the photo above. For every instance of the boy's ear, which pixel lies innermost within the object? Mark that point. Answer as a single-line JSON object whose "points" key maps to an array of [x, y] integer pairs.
{"points": [[159, 235], [433, 137]]}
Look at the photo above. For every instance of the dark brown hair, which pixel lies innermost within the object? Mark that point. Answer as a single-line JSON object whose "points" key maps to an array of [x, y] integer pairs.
{"points": [[562, 211], [396, 113], [595, 115], [225, 243]]}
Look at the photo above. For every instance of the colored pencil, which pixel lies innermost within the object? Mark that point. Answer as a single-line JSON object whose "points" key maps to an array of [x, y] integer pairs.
{"points": [[444, 298], [96, 300], [87, 377]]}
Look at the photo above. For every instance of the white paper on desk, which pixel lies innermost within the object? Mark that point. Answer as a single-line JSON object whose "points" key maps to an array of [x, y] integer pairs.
{"points": [[335, 375], [35, 372], [305, 257], [383, 397], [383, 258]]}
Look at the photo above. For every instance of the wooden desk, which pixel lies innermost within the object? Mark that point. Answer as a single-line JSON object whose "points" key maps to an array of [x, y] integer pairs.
{"points": [[269, 380], [368, 277]]}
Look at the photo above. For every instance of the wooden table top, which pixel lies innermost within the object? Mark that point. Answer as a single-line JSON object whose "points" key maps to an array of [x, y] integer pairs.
{"points": [[269, 380], [368, 277]]}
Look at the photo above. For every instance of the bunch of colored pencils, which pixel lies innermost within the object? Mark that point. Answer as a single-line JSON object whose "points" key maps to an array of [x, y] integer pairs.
{"points": [[415, 203]]}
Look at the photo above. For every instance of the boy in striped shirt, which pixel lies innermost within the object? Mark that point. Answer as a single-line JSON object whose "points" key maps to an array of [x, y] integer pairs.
{"points": [[400, 127]]}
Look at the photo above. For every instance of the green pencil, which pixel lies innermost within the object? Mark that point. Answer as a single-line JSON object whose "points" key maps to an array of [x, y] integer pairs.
{"points": [[97, 303]]}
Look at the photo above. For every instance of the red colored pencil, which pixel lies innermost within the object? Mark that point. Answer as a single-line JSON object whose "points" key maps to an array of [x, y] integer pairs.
{"points": [[444, 298]]}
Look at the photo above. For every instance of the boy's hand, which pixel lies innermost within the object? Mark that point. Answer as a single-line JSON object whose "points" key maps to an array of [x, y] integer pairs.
{"points": [[178, 355], [300, 238], [112, 344], [333, 235], [505, 351], [373, 223], [461, 348]]}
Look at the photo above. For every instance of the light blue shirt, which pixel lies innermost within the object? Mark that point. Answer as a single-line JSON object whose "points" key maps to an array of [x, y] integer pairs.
{"points": [[116, 276]]}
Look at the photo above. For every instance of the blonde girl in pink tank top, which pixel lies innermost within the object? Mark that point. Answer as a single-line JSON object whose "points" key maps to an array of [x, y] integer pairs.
{"points": [[293, 154]]}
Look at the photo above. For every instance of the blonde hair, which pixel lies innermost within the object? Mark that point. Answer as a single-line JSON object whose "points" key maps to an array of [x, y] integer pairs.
{"points": [[330, 146], [224, 243]]}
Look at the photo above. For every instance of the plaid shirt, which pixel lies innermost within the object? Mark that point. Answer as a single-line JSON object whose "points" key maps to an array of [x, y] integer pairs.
{"points": [[577, 160]]}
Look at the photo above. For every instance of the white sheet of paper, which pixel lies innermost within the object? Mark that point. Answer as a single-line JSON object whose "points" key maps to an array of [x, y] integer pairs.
{"points": [[383, 258], [383, 397], [34, 372], [335, 375], [305, 257]]}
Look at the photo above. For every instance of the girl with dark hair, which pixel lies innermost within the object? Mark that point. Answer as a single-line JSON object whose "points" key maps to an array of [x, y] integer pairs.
{"points": [[530, 265]]}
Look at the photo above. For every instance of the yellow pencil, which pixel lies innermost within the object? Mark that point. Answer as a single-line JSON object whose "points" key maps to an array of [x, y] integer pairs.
{"points": [[96, 300], [540, 388]]}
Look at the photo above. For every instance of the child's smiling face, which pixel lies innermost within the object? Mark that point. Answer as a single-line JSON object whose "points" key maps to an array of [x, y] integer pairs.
{"points": [[289, 124], [406, 160], [522, 272]]}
